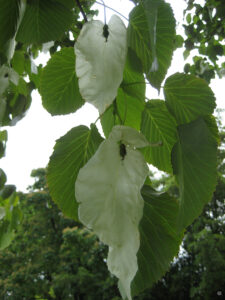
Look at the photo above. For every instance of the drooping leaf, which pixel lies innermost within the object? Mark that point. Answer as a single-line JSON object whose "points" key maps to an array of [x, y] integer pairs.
{"points": [[108, 189], [158, 126], [188, 97], [159, 239], [194, 160], [71, 152], [151, 34], [100, 61], [59, 84], [44, 21]]}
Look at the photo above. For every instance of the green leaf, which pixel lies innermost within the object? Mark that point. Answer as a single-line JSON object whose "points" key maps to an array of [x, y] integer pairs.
{"points": [[44, 21], [7, 191], [6, 234], [71, 152], [130, 98], [109, 119], [133, 79], [194, 160], [9, 16], [100, 61], [188, 97], [159, 126], [108, 190], [2, 212], [3, 178], [130, 109], [59, 84], [3, 136], [159, 239], [151, 34], [18, 62]]}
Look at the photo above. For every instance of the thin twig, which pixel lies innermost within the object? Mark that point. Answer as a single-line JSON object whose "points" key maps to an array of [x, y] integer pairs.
{"points": [[82, 11], [112, 10], [104, 10]]}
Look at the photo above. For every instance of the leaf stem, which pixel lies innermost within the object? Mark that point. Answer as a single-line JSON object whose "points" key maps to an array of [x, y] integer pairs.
{"points": [[104, 10], [116, 11], [82, 11]]}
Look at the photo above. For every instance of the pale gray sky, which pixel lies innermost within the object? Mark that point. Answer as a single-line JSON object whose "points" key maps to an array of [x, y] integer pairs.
{"points": [[31, 141]]}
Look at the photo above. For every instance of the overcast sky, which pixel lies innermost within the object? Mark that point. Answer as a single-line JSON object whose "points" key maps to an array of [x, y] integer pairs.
{"points": [[31, 141]]}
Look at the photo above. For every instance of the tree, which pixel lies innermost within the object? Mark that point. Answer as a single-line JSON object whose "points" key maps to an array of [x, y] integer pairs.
{"points": [[205, 31], [108, 67], [53, 257]]}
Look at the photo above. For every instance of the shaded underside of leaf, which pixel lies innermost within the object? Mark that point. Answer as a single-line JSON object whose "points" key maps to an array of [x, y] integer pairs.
{"points": [[194, 160], [159, 239], [59, 84], [188, 97], [159, 126], [44, 21], [71, 152], [9, 15]]}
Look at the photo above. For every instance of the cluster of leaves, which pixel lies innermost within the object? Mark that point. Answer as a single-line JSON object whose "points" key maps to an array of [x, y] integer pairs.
{"points": [[181, 127], [10, 212], [205, 31]]}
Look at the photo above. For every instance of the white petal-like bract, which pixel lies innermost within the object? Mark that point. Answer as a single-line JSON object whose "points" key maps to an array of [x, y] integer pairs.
{"points": [[100, 61], [108, 190]]}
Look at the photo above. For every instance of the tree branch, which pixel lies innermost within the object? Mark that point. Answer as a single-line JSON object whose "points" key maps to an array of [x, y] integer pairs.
{"points": [[82, 11]]}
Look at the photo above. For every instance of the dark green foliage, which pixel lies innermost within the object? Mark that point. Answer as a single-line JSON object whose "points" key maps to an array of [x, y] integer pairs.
{"points": [[205, 31], [53, 257]]}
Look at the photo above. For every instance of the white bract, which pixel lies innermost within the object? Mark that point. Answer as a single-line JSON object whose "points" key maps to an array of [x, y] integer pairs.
{"points": [[108, 190], [100, 61]]}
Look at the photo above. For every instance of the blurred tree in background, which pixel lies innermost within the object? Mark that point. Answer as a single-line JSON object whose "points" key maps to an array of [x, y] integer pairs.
{"points": [[53, 257]]}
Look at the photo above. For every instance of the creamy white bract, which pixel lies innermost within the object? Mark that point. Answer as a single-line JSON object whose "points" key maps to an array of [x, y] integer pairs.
{"points": [[108, 190], [100, 61]]}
